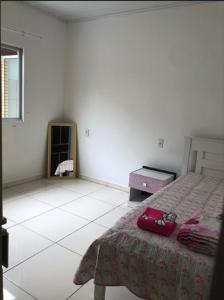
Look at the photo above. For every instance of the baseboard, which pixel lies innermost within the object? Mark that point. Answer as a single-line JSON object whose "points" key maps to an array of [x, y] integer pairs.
{"points": [[106, 183], [33, 178], [21, 181]]}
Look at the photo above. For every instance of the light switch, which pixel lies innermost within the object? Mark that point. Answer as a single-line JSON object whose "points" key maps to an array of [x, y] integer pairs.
{"points": [[160, 143], [87, 132]]}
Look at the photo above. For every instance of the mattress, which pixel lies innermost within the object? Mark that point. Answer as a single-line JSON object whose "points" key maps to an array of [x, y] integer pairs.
{"points": [[152, 266]]}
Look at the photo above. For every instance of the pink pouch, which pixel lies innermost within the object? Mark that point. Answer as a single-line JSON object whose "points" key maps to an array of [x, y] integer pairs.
{"points": [[157, 221]]}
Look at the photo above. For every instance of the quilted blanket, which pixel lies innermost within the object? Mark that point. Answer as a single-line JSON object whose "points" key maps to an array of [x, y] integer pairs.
{"points": [[152, 266]]}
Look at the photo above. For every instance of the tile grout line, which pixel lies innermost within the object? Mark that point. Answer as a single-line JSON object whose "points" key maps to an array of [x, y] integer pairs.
{"points": [[10, 269], [69, 297], [19, 287], [67, 188], [97, 217], [53, 208], [53, 242], [74, 252], [15, 266], [30, 195], [57, 242], [19, 223], [78, 230]]}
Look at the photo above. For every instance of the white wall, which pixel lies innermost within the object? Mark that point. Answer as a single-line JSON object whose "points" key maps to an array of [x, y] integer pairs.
{"points": [[130, 79], [24, 143], [133, 79]]}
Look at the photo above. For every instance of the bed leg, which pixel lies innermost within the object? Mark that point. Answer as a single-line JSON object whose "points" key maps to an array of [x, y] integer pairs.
{"points": [[99, 292]]}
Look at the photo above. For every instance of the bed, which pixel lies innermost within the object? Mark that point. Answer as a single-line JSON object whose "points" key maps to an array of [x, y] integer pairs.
{"points": [[151, 266]]}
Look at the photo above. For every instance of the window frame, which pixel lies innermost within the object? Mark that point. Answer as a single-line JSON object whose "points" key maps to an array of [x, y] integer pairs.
{"points": [[21, 82]]}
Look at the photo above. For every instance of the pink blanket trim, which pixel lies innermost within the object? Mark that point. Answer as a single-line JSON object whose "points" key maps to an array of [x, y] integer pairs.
{"points": [[201, 232]]}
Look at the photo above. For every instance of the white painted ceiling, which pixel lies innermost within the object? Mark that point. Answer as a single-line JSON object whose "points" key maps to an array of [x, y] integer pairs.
{"points": [[70, 11]]}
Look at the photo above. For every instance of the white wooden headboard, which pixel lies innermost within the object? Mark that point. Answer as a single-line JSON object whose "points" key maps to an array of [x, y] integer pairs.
{"points": [[204, 156]]}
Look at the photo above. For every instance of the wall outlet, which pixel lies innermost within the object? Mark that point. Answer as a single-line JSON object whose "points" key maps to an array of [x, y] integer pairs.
{"points": [[160, 143], [87, 132]]}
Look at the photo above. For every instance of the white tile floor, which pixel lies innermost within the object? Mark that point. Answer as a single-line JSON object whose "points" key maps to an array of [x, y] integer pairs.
{"points": [[51, 224]]}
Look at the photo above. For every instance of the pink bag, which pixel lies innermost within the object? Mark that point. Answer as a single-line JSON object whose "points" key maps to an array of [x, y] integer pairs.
{"points": [[157, 221]]}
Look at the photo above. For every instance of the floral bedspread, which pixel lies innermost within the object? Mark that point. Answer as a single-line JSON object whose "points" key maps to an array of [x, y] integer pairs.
{"points": [[151, 266]]}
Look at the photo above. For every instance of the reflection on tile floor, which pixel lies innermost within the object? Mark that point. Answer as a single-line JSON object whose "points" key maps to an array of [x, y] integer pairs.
{"points": [[51, 225]]}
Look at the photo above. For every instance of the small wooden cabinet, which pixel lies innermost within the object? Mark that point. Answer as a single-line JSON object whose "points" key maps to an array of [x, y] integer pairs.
{"points": [[146, 181]]}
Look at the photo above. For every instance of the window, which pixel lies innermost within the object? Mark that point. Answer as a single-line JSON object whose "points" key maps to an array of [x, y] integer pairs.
{"points": [[11, 82]]}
